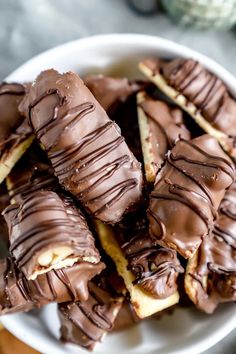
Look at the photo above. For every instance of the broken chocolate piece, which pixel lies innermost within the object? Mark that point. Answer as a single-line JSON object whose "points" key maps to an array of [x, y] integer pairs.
{"points": [[47, 232], [88, 154], [187, 194]]}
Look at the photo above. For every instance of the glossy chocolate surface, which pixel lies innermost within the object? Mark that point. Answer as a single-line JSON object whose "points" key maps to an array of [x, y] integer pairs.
{"points": [[217, 258], [32, 173], [110, 92], [68, 284], [44, 221], [201, 87], [187, 193], [11, 95], [86, 322], [88, 154], [165, 127], [155, 268]]}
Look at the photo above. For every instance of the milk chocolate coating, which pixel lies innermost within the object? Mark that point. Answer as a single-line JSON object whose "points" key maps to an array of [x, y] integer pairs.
{"points": [[112, 91], [155, 268], [14, 128], [217, 258], [117, 97], [11, 95], [32, 173], [165, 127], [88, 154], [44, 221], [67, 284], [86, 322], [187, 193], [201, 87]]}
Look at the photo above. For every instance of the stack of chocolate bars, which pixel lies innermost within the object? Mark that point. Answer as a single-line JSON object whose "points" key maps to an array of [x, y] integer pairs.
{"points": [[110, 189]]}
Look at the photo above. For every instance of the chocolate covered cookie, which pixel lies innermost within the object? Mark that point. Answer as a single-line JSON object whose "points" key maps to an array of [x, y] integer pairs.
{"points": [[187, 193], [20, 294], [88, 153], [87, 322], [145, 286], [211, 273], [47, 231], [200, 93]]}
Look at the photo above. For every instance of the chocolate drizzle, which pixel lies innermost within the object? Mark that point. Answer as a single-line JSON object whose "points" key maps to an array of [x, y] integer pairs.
{"points": [[98, 317], [215, 272], [187, 194], [192, 80], [42, 222], [68, 284], [86, 322], [88, 154], [155, 268], [202, 88], [32, 173]]}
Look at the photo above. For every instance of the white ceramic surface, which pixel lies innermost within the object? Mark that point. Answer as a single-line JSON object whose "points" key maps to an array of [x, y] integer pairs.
{"points": [[186, 331]]}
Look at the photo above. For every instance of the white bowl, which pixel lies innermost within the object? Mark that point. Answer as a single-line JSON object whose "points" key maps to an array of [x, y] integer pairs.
{"points": [[187, 330]]}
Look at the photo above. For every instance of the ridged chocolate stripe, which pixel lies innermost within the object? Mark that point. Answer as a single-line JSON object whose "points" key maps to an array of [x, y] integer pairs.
{"points": [[44, 221], [88, 154], [68, 284], [187, 193]]}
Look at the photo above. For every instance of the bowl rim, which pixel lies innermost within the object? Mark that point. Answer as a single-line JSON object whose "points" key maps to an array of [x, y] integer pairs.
{"points": [[132, 38], [145, 40]]}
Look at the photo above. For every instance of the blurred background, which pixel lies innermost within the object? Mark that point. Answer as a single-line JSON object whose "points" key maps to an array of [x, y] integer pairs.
{"points": [[30, 27]]}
